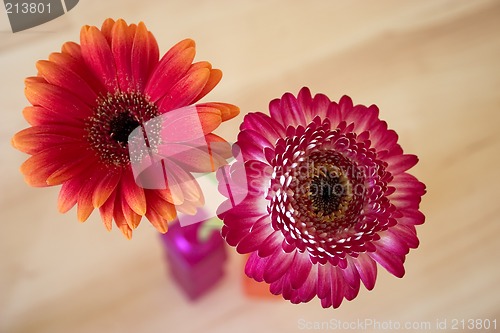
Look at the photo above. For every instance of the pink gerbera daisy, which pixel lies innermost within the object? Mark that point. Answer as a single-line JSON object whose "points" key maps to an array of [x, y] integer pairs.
{"points": [[87, 100], [328, 198]]}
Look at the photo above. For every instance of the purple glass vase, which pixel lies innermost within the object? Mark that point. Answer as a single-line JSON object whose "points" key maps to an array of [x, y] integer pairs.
{"points": [[196, 264]]}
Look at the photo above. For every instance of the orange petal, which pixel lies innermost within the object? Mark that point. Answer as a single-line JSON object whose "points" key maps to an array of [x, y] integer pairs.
{"points": [[85, 206], [210, 117], [107, 28], [106, 211], [170, 69], [120, 220], [72, 49], [144, 56], [68, 195], [218, 145], [132, 218], [185, 90], [213, 80], [97, 54], [33, 140], [121, 45], [67, 80], [105, 188], [133, 194], [56, 99], [157, 221]]}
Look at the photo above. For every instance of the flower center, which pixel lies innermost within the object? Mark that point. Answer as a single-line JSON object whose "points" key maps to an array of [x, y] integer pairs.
{"points": [[114, 118], [322, 191], [326, 192], [121, 126]]}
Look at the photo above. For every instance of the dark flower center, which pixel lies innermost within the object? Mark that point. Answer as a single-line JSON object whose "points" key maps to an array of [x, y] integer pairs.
{"points": [[121, 126], [114, 119], [325, 193]]}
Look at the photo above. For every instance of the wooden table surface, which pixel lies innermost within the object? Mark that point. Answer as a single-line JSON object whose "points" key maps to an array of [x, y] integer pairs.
{"points": [[432, 67]]}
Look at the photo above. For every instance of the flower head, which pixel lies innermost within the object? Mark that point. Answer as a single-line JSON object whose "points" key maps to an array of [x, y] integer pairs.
{"points": [[328, 198], [86, 101]]}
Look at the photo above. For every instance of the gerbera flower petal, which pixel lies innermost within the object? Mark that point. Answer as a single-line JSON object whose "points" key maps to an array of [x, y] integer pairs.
{"points": [[133, 219], [71, 59], [107, 209], [107, 29], [98, 56], [393, 264], [38, 168], [56, 99], [144, 56], [277, 265], [213, 79], [263, 124], [88, 99], [185, 90], [66, 79], [122, 38], [133, 194], [367, 270], [120, 219], [174, 64], [32, 140], [85, 206], [302, 266], [68, 196], [329, 196], [70, 169], [104, 190], [269, 245], [255, 267], [251, 242], [255, 145]]}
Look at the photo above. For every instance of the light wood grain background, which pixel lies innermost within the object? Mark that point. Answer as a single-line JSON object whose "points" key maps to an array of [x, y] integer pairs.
{"points": [[433, 68]]}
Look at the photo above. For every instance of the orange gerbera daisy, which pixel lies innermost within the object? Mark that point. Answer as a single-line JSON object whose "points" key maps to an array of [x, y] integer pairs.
{"points": [[87, 100]]}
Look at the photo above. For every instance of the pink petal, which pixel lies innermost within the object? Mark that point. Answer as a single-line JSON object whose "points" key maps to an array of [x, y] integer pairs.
{"points": [[382, 138], [324, 281], [351, 274], [392, 244], [278, 264], [411, 217], [401, 163], [252, 241], [406, 233], [367, 270], [255, 267], [291, 112], [301, 268], [269, 128], [252, 145], [270, 244], [391, 262], [308, 289]]}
